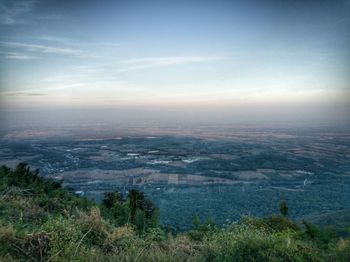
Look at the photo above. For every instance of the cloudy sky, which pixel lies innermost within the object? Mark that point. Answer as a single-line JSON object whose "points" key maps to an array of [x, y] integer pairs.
{"points": [[173, 54]]}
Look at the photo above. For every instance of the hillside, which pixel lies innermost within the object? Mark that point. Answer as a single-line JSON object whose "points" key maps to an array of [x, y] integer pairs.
{"points": [[42, 221]]}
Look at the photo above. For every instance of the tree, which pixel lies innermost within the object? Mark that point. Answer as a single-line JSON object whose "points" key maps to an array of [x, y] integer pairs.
{"points": [[284, 208], [154, 221], [311, 230], [196, 222], [134, 195], [116, 206], [111, 198], [138, 202], [140, 221]]}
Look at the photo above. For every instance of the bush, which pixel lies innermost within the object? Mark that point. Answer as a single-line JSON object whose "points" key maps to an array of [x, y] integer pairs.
{"points": [[36, 245], [281, 223], [242, 243], [7, 238], [95, 229], [342, 251], [52, 224], [65, 235]]}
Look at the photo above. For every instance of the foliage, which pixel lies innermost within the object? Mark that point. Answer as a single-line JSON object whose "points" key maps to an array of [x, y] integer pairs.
{"points": [[42, 221], [136, 209], [284, 208]]}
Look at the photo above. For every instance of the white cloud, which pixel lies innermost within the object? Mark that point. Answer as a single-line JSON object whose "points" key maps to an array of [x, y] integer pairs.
{"points": [[16, 56], [21, 93], [147, 62], [74, 42], [11, 12], [54, 39], [42, 48], [19, 56]]}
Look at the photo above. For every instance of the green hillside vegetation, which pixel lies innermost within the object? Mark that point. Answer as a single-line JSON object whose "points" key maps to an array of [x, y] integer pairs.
{"points": [[42, 221]]}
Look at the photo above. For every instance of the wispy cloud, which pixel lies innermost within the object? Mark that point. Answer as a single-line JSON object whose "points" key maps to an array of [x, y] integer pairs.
{"points": [[11, 12], [17, 56], [74, 42], [59, 48], [42, 48], [54, 39], [34, 94], [147, 62], [21, 93]]}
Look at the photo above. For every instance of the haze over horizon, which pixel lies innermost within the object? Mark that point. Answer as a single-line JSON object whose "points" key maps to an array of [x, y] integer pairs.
{"points": [[175, 61]]}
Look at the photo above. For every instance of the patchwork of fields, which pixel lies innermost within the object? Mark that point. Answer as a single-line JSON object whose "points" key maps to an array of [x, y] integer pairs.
{"points": [[212, 177]]}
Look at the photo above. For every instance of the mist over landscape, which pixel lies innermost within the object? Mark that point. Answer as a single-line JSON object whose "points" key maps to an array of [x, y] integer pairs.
{"points": [[174, 130]]}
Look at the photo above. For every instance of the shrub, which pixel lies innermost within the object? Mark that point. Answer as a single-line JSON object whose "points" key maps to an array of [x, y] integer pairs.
{"points": [[281, 223], [7, 238], [242, 243], [36, 245], [41, 221], [65, 235], [94, 227]]}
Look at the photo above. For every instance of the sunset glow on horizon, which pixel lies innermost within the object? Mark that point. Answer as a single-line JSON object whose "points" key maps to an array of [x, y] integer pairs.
{"points": [[231, 55]]}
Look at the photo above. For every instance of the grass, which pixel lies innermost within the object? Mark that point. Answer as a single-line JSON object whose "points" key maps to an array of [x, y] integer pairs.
{"points": [[42, 221]]}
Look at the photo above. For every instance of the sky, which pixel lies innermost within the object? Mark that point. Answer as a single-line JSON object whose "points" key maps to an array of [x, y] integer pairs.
{"points": [[205, 59]]}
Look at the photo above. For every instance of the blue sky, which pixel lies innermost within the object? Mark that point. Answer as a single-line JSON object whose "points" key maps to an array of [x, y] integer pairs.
{"points": [[94, 54]]}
